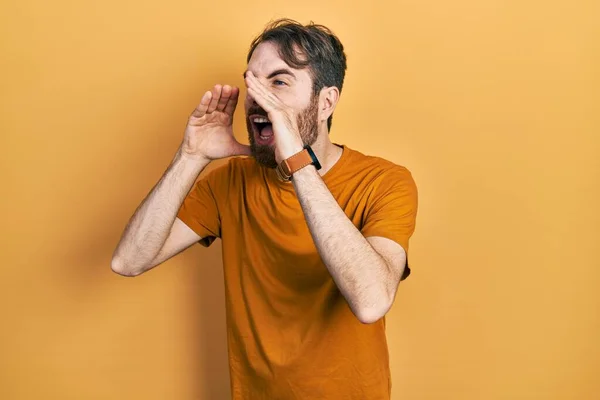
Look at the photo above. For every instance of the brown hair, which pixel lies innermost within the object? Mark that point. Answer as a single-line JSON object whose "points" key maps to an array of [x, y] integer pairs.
{"points": [[313, 46]]}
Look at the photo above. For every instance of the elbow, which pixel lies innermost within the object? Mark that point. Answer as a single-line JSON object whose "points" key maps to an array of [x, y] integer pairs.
{"points": [[372, 314], [369, 315], [118, 267]]}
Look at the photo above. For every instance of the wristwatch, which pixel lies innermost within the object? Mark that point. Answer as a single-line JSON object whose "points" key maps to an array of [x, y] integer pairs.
{"points": [[287, 167]]}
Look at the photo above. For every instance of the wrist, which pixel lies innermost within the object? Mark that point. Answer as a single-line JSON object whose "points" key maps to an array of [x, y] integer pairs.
{"points": [[298, 161], [291, 150], [191, 160], [305, 172]]}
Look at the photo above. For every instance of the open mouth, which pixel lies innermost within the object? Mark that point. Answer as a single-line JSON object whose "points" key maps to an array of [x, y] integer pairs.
{"points": [[262, 127]]}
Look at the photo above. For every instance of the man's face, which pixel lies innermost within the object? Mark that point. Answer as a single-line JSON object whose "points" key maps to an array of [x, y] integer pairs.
{"points": [[293, 87]]}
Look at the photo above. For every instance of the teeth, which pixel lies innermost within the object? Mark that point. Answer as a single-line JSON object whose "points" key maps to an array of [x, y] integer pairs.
{"points": [[260, 120]]}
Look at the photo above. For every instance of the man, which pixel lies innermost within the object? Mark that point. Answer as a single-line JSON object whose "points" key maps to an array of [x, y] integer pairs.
{"points": [[314, 234]]}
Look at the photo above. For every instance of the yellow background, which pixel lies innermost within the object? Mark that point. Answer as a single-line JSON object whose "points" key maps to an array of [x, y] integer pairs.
{"points": [[493, 105]]}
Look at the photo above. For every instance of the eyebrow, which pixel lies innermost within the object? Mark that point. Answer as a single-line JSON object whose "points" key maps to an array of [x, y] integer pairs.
{"points": [[281, 71]]}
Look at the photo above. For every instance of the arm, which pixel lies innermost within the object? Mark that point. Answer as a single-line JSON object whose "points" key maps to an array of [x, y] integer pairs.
{"points": [[366, 270], [153, 234], [153, 221]]}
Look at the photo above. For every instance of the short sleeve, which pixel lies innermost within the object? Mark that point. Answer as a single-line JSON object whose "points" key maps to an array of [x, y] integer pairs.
{"points": [[200, 208], [393, 210]]}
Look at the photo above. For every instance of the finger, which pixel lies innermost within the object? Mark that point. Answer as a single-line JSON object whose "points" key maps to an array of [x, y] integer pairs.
{"points": [[200, 110], [260, 99], [261, 90], [254, 90], [254, 83], [216, 95], [226, 92], [233, 100], [268, 103]]}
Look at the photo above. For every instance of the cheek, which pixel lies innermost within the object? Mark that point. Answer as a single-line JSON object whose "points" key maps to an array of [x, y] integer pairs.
{"points": [[296, 101]]}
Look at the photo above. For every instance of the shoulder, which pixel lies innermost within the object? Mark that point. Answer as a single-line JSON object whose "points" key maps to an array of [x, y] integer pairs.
{"points": [[379, 170], [388, 186]]}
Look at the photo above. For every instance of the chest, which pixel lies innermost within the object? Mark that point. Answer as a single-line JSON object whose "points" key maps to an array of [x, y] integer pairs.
{"points": [[267, 228]]}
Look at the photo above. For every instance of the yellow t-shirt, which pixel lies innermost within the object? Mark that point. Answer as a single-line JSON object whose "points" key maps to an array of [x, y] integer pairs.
{"points": [[290, 332]]}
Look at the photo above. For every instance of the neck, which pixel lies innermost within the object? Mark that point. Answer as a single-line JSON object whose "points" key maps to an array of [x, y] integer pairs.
{"points": [[327, 153]]}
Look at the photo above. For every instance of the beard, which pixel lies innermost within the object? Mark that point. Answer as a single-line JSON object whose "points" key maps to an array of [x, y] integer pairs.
{"points": [[307, 125]]}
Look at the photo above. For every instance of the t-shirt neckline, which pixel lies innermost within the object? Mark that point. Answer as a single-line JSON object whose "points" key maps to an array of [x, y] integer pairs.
{"points": [[327, 177]]}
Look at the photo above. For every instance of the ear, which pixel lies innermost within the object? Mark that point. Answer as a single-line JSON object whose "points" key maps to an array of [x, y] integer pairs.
{"points": [[328, 99]]}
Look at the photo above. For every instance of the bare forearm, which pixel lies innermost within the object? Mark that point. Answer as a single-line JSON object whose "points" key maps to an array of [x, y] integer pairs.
{"points": [[357, 269], [150, 225]]}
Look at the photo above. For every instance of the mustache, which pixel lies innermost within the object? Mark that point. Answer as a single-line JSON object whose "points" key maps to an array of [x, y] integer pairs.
{"points": [[254, 110]]}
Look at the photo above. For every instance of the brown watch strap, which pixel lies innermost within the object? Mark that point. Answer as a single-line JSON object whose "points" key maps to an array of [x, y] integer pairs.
{"points": [[287, 167]]}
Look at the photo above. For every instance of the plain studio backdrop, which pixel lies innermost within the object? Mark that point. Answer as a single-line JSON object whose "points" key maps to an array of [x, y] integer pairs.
{"points": [[493, 105]]}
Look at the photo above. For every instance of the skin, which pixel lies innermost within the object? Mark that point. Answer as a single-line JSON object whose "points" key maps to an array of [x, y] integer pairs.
{"points": [[154, 234], [366, 270]]}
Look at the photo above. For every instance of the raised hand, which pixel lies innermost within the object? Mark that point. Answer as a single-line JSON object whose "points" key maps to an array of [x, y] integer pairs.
{"points": [[209, 132], [283, 119]]}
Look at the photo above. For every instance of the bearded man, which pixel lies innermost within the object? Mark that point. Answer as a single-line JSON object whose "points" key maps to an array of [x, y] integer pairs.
{"points": [[314, 233]]}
